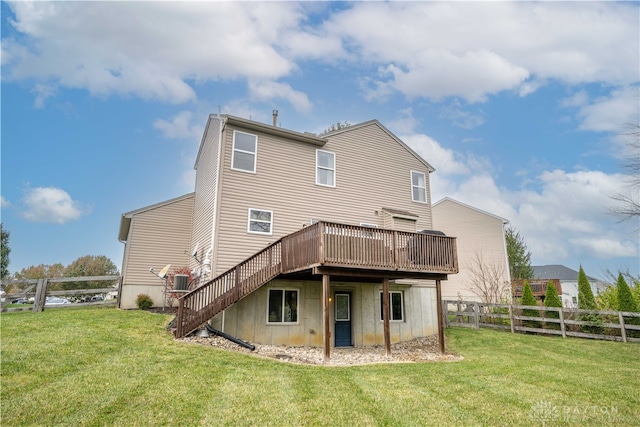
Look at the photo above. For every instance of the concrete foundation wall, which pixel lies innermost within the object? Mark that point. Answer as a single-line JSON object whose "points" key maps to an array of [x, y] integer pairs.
{"points": [[247, 319]]}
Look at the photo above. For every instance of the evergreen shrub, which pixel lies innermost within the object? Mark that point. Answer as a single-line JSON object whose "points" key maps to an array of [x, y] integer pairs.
{"points": [[529, 299], [144, 302], [551, 299]]}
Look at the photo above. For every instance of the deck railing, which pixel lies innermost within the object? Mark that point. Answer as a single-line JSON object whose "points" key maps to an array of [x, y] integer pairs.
{"points": [[201, 304], [321, 244], [538, 286]]}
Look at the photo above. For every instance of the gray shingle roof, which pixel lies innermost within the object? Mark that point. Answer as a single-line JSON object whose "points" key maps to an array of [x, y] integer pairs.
{"points": [[556, 271]]}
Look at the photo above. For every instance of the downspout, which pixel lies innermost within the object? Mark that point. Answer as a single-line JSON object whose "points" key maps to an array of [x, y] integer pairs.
{"points": [[124, 257], [214, 265]]}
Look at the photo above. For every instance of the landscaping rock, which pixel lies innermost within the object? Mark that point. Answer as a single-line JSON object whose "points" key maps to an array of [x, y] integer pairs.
{"points": [[417, 350]]}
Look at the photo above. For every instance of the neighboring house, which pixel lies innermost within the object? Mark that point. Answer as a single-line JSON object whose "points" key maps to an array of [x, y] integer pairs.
{"points": [[155, 236], [482, 251], [538, 287], [354, 198], [569, 282]]}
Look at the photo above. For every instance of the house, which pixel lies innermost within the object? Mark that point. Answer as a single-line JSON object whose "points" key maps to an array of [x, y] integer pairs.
{"points": [[482, 252], [569, 282], [155, 236], [298, 239]]}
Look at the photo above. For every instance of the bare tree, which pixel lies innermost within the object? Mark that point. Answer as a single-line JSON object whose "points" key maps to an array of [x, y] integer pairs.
{"points": [[630, 201], [488, 279]]}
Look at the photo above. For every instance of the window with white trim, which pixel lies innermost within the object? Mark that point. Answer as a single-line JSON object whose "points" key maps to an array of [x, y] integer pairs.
{"points": [[260, 221], [282, 306], [245, 149], [396, 306], [325, 168], [418, 187]]}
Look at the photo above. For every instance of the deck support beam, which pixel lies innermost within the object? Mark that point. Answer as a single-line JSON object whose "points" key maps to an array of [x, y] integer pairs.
{"points": [[325, 314], [440, 316], [385, 315]]}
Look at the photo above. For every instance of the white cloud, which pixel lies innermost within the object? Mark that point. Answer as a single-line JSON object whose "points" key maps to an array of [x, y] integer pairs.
{"points": [[157, 49], [405, 124], [439, 157], [422, 49], [50, 204], [577, 100], [569, 217], [180, 126], [440, 49], [471, 75], [610, 113], [563, 216], [43, 92], [605, 247], [4, 203], [269, 90], [461, 118]]}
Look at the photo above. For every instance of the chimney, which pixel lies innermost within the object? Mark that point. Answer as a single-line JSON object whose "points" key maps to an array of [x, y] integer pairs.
{"points": [[275, 117]]}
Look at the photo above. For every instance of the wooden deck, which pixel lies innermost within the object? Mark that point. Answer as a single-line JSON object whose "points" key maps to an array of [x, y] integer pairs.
{"points": [[538, 287], [323, 249]]}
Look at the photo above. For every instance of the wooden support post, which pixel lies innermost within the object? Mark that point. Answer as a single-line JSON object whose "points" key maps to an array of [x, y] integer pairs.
{"points": [[179, 318], [325, 315], [439, 315], [385, 315], [563, 327], [623, 331]]}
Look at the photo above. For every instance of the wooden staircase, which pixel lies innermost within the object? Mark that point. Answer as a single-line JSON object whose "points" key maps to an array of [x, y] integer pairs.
{"points": [[201, 304], [387, 253]]}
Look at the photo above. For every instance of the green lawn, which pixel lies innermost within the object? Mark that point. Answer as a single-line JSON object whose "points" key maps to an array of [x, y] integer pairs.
{"points": [[103, 366]]}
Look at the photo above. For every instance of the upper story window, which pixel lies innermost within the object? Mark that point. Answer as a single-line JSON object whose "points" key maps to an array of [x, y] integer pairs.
{"points": [[325, 168], [260, 221], [418, 187], [245, 150]]}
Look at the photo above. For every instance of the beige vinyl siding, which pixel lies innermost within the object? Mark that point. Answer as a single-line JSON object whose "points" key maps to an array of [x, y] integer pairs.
{"points": [[476, 231], [157, 236], [372, 172], [205, 190]]}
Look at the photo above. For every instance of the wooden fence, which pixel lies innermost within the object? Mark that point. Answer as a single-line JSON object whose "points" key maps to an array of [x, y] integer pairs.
{"points": [[39, 290], [566, 322]]}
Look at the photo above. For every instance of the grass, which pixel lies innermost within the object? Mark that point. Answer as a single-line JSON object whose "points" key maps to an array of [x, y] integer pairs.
{"points": [[103, 366]]}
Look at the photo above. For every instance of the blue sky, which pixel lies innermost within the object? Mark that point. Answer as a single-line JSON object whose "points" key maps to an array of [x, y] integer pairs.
{"points": [[518, 106]]}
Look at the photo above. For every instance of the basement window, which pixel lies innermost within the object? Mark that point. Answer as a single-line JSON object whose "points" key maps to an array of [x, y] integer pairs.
{"points": [[396, 306], [282, 306]]}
